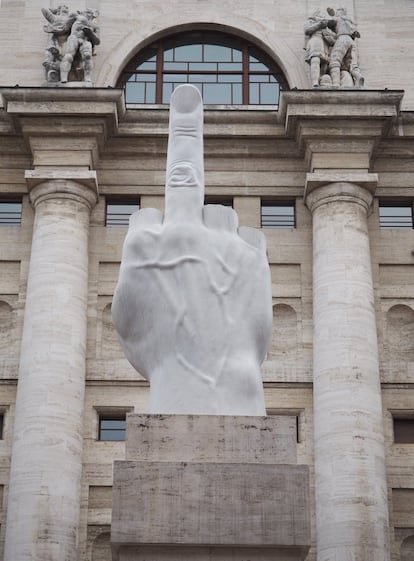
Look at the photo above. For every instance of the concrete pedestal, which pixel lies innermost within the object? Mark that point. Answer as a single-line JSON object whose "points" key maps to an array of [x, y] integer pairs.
{"points": [[210, 488]]}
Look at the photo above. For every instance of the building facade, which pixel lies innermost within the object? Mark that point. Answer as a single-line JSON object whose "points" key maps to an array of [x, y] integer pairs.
{"points": [[327, 173]]}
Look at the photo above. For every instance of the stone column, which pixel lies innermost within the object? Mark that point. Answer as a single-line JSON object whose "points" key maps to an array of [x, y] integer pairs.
{"points": [[44, 492], [351, 490]]}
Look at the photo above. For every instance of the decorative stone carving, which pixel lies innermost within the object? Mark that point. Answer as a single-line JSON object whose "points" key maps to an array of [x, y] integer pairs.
{"points": [[331, 50], [72, 39], [193, 303]]}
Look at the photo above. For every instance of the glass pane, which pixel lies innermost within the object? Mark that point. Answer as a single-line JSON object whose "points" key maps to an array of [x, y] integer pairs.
{"points": [[144, 78], [269, 94], [203, 77], [217, 93], [150, 93], [112, 435], [217, 53], [147, 66], [189, 53], [135, 92], [117, 214], [258, 66], [169, 55], [175, 77], [254, 93], [175, 66], [230, 66], [275, 216], [259, 77], [396, 216], [237, 55], [237, 94], [230, 78], [201, 66], [166, 92], [113, 423], [10, 212]]}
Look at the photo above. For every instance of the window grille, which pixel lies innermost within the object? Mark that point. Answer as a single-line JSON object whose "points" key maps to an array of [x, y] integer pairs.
{"points": [[119, 211], [275, 214], [396, 215], [10, 212]]}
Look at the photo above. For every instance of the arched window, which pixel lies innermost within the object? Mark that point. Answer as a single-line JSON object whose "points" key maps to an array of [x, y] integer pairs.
{"points": [[225, 68]]}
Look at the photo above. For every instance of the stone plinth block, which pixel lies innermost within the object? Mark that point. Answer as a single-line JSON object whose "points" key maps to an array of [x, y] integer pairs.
{"points": [[210, 504], [210, 438], [210, 488]]}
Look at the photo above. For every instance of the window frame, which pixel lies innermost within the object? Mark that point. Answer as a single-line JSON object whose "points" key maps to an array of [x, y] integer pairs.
{"points": [[395, 203], [400, 417], [119, 201], [247, 71], [11, 221], [104, 413], [277, 202]]}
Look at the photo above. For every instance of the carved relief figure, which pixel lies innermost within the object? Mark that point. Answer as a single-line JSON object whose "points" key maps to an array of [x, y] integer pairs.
{"points": [[73, 37], [193, 304], [331, 50]]}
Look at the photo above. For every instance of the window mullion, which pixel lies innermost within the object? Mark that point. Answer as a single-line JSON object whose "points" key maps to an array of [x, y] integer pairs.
{"points": [[245, 67], [159, 70]]}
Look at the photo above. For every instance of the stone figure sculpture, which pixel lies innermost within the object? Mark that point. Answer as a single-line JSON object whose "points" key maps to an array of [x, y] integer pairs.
{"points": [[331, 50], [192, 307], [72, 38]]}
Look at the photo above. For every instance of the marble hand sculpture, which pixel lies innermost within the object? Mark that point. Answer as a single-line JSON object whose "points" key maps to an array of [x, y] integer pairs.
{"points": [[192, 307]]}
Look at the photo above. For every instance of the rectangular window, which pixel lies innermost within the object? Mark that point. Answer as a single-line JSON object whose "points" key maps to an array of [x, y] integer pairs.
{"points": [[118, 211], [10, 212], [112, 428], [403, 430], [1, 426], [277, 214], [396, 215]]}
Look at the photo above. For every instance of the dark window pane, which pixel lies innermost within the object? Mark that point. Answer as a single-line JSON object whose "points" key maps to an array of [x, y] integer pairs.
{"points": [[10, 212], [1, 426], [403, 431], [112, 428], [214, 200]]}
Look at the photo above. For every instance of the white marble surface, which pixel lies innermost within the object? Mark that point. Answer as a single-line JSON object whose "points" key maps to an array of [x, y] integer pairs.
{"points": [[193, 302]]}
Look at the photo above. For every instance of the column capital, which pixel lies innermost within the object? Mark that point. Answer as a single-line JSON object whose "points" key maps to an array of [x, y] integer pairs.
{"points": [[80, 185], [326, 186]]}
